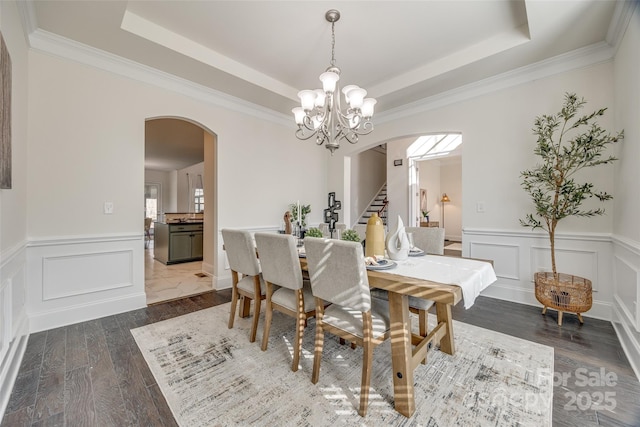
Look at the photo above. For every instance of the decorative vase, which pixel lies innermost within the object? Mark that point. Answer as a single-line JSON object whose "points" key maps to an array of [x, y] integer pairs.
{"points": [[397, 243], [375, 237], [426, 219]]}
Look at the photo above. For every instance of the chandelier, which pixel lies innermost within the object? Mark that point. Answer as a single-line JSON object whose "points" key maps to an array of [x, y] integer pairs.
{"points": [[322, 115]]}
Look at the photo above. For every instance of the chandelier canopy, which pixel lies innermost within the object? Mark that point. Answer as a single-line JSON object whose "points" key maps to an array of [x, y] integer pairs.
{"points": [[322, 115]]}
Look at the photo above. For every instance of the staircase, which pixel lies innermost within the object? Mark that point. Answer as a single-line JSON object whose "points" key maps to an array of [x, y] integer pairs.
{"points": [[378, 205]]}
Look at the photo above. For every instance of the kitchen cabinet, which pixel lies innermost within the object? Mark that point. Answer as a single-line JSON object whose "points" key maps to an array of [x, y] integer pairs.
{"points": [[174, 243]]}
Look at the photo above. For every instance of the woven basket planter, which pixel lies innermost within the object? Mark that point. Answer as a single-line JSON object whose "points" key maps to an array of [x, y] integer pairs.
{"points": [[568, 293]]}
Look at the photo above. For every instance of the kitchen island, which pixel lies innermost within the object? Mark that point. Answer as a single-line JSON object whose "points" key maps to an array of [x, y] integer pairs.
{"points": [[179, 241]]}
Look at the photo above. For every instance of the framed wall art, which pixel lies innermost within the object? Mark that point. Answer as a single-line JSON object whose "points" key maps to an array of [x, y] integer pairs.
{"points": [[5, 116]]}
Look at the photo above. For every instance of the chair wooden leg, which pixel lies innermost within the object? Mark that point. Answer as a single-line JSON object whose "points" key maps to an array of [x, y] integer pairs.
{"points": [[319, 342], [234, 298], [301, 321], [256, 308], [268, 316], [367, 362], [423, 320]]}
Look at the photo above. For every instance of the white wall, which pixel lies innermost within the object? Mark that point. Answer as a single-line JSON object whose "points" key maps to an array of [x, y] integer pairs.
{"points": [[13, 212], [498, 144], [97, 116], [626, 227]]}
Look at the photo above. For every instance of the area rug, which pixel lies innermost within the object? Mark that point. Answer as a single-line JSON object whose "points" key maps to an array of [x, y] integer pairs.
{"points": [[213, 376]]}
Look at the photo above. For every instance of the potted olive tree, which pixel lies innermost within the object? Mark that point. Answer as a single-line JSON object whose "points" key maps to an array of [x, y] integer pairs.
{"points": [[566, 144]]}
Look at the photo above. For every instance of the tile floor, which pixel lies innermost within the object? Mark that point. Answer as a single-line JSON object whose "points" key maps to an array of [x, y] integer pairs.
{"points": [[168, 282]]}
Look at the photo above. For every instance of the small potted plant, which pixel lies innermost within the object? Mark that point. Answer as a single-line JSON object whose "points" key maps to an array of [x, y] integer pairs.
{"points": [[566, 144], [350, 235], [313, 232], [304, 211], [425, 214]]}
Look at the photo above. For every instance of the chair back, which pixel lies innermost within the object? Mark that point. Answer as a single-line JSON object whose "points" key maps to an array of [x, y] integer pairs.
{"points": [[147, 223], [279, 259], [361, 229], [338, 273], [241, 251], [429, 239]]}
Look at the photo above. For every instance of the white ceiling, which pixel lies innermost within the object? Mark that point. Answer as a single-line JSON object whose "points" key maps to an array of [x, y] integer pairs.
{"points": [[264, 52]]}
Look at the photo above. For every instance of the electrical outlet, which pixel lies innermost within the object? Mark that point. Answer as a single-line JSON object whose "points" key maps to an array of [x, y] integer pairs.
{"points": [[108, 208], [480, 207]]}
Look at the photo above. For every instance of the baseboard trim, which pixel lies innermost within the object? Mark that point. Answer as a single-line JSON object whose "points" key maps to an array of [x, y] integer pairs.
{"points": [[80, 313], [11, 365]]}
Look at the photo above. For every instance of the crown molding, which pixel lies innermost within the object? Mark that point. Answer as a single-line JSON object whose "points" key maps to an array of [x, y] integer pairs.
{"points": [[579, 58], [620, 21], [63, 47], [27, 11]]}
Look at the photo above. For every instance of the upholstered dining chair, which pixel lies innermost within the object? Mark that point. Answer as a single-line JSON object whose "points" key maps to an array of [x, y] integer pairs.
{"points": [[429, 239], [361, 229], [147, 231], [338, 275], [246, 279], [281, 266]]}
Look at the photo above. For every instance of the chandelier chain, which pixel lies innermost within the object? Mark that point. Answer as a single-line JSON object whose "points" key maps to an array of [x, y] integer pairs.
{"points": [[333, 44]]}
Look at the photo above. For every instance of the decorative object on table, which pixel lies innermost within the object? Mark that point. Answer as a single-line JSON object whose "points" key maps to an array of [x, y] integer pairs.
{"points": [[397, 243], [556, 194], [287, 222], [445, 199], [350, 235], [299, 219], [375, 237], [313, 232], [425, 216], [331, 214], [321, 113]]}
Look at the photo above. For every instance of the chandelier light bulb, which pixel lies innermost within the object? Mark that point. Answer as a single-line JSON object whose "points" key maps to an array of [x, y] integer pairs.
{"points": [[307, 99], [329, 80], [367, 107], [298, 114], [320, 97], [356, 97]]}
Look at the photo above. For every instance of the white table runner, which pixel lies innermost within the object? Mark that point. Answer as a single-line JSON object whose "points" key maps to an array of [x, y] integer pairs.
{"points": [[472, 276]]}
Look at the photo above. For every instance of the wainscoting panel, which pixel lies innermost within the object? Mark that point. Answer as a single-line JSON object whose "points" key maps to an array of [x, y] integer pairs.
{"points": [[626, 293], [67, 276], [583, 263], [626, 313], [517, 256], [14, 325], [505, 257], [75, 279]]}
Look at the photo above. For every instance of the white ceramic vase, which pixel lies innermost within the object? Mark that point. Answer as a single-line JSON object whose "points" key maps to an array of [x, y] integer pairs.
{"points": [[397, 242]]}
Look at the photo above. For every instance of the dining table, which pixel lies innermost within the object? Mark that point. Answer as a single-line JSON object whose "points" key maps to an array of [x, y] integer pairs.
{"points": [[442, 279], [446, 281]]}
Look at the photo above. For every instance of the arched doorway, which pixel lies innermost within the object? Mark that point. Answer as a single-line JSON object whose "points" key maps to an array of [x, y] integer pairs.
{"points": [[180, 158]]}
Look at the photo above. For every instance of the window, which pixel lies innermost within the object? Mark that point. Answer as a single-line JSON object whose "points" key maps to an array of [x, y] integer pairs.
{"points": [[428, 146], [151, 201], [198, 200]]}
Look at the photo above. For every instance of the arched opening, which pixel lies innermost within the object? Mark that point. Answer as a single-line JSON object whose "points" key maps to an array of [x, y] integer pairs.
{"points": [[180, 167]]}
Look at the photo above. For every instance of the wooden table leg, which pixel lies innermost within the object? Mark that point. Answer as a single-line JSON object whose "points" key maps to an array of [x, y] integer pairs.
{"points": [[443, 312], [401, 354]]}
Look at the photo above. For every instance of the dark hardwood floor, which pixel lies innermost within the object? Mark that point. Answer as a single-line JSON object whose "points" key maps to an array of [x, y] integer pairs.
{"points": [[92, 373]]}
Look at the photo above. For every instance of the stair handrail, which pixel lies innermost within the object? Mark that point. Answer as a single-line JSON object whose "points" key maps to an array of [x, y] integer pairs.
{"points": [[385, 203]]}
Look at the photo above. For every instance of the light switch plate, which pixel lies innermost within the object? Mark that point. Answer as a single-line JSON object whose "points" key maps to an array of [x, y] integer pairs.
{"points": [[480, 207]]}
